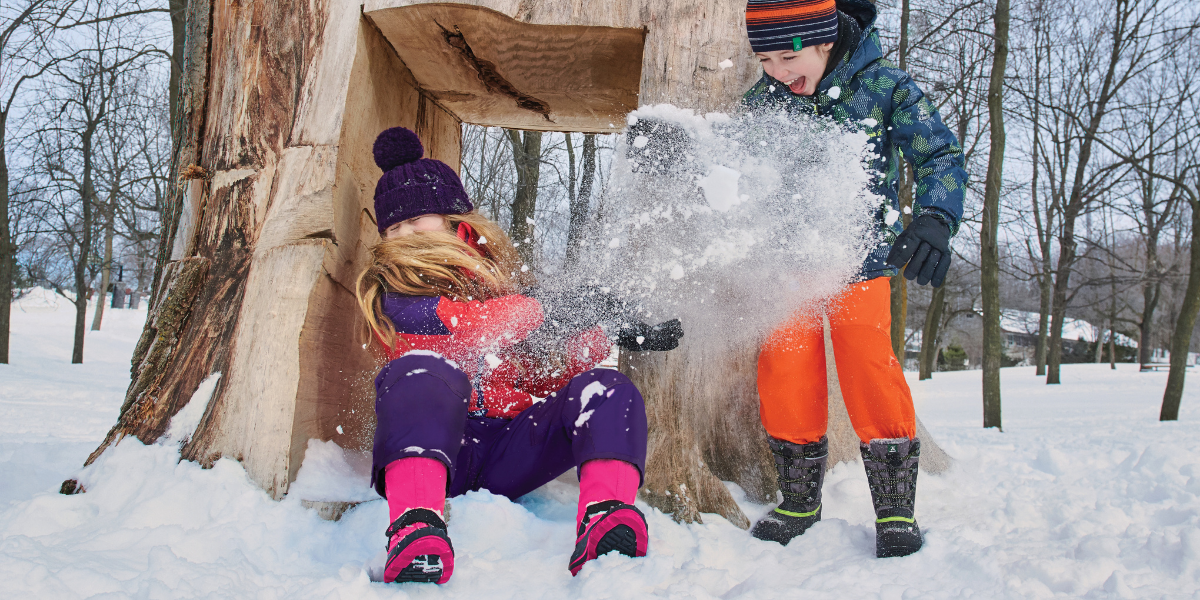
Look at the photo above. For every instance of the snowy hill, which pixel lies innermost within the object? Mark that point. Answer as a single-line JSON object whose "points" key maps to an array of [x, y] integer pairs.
{"points": [[1085, 494]]}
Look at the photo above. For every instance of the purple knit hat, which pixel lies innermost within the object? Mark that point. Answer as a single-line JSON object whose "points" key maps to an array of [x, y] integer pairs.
{"points": [[412, 186]]}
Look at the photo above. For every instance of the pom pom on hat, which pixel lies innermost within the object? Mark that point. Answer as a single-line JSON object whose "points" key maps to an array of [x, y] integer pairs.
{"points": [[397, 146]]}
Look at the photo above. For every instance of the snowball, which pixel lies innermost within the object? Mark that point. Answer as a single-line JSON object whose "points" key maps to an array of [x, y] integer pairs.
{"points": [[640, 141], [869, 122], [835, 92], [492, 360], [891, 217], [725, 64], [721, 188]]}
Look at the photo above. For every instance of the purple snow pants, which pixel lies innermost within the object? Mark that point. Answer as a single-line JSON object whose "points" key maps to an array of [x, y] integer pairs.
{"points": [[421, 406]]}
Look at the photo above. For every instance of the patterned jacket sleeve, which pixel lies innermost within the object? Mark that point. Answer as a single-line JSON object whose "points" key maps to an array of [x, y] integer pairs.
{"points": [[933, 150]]}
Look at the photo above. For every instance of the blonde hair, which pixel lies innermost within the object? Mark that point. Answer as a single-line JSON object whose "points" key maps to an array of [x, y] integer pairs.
{"points": [[437, 263]]}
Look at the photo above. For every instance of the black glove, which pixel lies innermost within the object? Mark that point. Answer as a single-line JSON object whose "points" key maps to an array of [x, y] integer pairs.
{"points": [[925, 246], [640, 337], [657, 146]]}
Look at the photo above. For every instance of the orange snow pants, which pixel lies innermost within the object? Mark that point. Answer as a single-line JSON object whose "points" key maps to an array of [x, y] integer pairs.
{"points": [[792, 380]]}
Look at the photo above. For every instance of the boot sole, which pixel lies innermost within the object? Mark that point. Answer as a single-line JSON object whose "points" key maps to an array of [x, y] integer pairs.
{"points": [[411, 564], [419, 570], [623, 530], [896, 543]]}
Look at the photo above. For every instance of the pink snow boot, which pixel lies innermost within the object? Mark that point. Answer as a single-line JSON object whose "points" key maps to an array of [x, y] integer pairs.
{"points": [[418, 547], [607, 519]]}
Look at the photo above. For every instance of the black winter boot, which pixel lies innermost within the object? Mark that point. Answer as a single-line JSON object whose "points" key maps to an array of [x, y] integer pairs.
{"points": [[892, 474], [801, 469]]}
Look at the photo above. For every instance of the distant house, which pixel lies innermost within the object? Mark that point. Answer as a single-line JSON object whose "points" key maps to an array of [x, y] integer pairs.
{"points": [[1079, 339]]}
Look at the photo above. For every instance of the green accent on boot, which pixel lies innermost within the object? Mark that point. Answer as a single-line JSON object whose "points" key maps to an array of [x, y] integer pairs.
{"points": [[892, 519], [798, 514]]}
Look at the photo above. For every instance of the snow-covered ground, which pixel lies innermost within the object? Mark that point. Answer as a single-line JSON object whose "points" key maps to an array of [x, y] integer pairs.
{"points": [[1085, 494]]}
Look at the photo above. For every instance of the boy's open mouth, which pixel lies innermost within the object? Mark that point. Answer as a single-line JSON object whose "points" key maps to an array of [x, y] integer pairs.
{"points": [[796, 85]]}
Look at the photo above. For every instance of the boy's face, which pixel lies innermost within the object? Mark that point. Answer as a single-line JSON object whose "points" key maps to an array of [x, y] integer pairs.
{"points": [[800, 71]]}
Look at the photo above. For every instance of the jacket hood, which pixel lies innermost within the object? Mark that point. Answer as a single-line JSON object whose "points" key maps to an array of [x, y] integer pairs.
{"points": [[863, 11], [868, 50]]}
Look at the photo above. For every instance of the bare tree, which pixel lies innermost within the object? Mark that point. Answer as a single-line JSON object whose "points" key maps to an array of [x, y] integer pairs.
{"points": [[88, 92], [26, 32], [990, 259], [1124, 38]]}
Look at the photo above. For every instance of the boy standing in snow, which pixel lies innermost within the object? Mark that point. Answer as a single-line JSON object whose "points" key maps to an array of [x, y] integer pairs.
{"points": [[823, 59]]}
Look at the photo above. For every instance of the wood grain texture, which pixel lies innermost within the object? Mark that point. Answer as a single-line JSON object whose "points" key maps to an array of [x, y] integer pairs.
{"points": [[490, 69], [685, 42]]}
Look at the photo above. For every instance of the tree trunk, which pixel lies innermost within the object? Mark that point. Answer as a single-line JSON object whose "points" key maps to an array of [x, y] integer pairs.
{"points": [[1112, 350], [993, 341], [1151, 291], [8, 257], [106, 266], [86, 199], [1181, 339], [179, 10], [1046, 292], [581, 202], [527, 154], [1042, 229], [899, 289], [929, 345]]}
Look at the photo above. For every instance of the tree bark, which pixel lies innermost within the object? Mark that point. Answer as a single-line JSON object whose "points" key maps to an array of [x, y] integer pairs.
{"points": [[929, 345], [527, 155], [581, 201], [1045, 294], [86, 200], [899, 288], [1181, 339], [993, 340], [106, 266], [178, 10], [1045, 266], [7, 250]]}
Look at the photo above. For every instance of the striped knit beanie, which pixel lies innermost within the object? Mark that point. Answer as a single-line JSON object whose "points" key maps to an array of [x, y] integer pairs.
{"points": [[790, 24]]}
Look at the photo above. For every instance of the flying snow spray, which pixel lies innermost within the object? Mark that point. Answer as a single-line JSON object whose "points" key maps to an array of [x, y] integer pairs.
{"points": [[730, 223]]}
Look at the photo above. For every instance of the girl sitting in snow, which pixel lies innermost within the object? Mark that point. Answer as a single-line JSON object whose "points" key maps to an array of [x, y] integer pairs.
{"points": [[460, 404], [822, 57]]}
